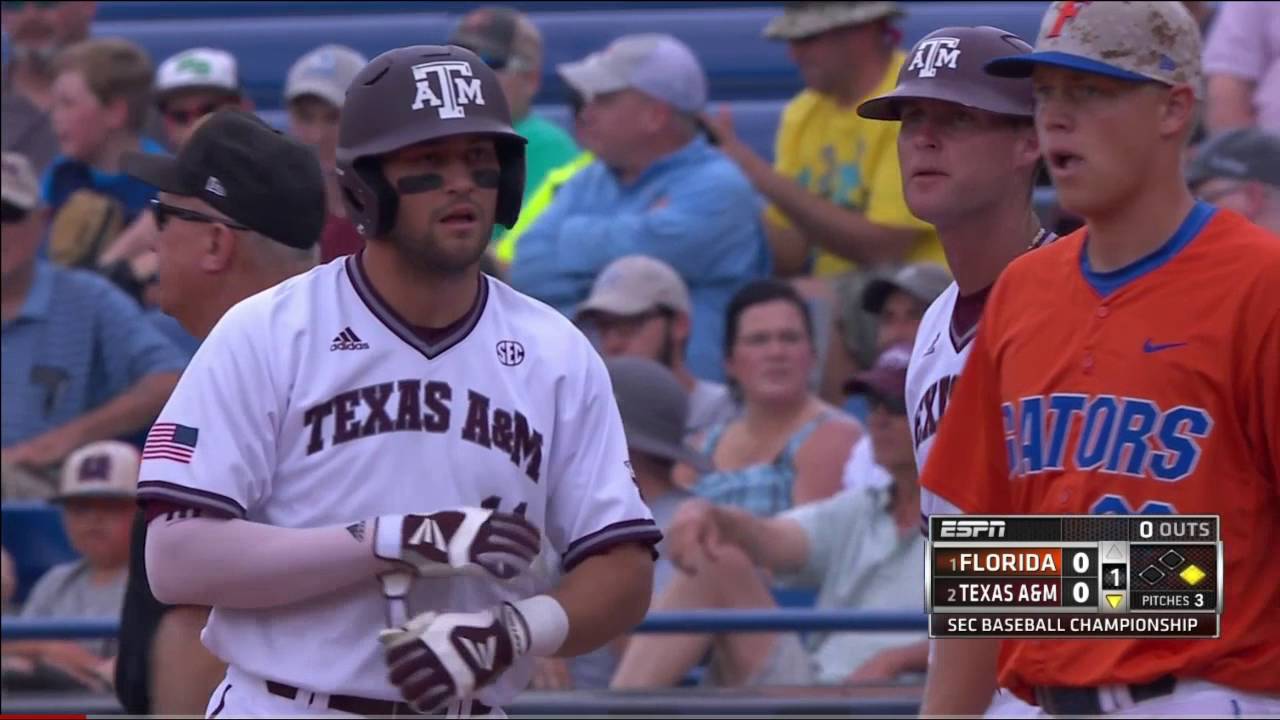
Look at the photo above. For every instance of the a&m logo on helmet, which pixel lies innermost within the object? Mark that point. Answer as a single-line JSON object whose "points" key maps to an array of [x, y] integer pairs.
{"points": [[935, 53], [447, 86]]}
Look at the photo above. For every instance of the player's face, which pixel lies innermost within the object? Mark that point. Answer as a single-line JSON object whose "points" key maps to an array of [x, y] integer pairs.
{"points": [[314, 121], [448, 196], [1099, 136], [772, 354], [890, 433], [647, 335], [899, 320], [957, 162], [99, 529]]}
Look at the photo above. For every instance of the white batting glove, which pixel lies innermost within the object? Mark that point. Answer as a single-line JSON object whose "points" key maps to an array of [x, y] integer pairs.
{"points": [[466, 540], [437, 658]]}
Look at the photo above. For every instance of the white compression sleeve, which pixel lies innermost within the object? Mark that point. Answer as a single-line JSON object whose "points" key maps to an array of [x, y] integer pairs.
{"points": [[242, 564]]}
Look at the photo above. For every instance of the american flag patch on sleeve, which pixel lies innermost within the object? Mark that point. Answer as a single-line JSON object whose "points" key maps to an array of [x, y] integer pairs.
{"points": [[170, 441]]}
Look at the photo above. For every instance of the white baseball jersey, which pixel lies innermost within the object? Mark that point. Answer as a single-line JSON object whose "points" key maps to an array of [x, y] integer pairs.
{"points": [[938, 357], [314, 404]]}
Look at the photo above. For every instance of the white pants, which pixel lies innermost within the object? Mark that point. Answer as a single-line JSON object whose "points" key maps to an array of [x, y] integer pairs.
{"points": [[241, 695], [1191, 698]]}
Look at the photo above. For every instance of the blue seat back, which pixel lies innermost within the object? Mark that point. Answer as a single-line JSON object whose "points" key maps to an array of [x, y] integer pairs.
{"points": [[33, 534]]}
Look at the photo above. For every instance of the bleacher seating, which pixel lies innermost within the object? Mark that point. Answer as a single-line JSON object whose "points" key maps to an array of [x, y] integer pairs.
{"points": [[33, 534]]}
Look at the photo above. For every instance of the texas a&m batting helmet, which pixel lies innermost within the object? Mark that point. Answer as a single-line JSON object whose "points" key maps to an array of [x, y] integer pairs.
{"points": [[414, 94]]}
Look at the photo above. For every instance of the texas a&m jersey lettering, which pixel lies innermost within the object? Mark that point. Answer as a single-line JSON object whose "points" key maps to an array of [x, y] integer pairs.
{"points": [[415, 405], [933, 403], [1127, 436]]}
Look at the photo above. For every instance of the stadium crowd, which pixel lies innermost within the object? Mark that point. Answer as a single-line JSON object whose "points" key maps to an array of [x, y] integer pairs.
{"points": [[756, 314]]}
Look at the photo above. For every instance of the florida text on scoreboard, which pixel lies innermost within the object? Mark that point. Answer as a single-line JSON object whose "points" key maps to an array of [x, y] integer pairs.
{"points": [[1073, 576]]}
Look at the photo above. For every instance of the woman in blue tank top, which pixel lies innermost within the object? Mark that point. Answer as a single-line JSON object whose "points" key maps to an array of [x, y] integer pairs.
{"points": [[787, 447]]}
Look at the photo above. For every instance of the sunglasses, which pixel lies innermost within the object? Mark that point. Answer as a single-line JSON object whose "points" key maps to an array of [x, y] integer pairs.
{"points": [[19, 4], [165, 212], [10, 214], [186, 117]]}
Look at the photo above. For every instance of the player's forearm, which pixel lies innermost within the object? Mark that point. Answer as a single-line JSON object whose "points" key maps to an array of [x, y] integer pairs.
{"points": [[242, 564], [133, 409], [841, 231], [605, 597], [962, 677], [773, 543]]}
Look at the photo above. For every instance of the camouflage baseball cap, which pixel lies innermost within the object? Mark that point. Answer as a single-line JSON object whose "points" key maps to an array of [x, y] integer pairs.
{"points": [[806, 19], [1139, 41], [947, 64]]}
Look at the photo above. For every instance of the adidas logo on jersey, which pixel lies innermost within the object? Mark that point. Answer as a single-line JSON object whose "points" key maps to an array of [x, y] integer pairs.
{"points": [[482, 654], [348, 340]]}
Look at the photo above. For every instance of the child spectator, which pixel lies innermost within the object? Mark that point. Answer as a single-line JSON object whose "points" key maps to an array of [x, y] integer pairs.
{"points": [[99, 482]]}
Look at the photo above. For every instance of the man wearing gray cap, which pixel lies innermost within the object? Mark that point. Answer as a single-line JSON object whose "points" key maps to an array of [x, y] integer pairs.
{"points": [[657, 188], [314, 92], [640, 307], [654, 411], [1240, 170]]}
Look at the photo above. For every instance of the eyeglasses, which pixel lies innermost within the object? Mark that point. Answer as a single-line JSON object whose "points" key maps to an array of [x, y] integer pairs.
{"points": [[11, 214], [165, 212]]}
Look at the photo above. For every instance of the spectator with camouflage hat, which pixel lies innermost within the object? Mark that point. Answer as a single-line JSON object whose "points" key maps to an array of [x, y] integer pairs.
{"points": [[314, 92], [508, 41], [194, 83], [1240, 170]]}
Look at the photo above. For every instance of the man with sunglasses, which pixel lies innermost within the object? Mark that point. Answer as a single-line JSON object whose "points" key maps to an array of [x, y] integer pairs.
{"points": [[80, 362], [240, 210], [193, 84], [639, 307]]}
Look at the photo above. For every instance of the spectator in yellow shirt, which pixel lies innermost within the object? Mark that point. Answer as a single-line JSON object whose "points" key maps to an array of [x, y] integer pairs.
{"points": [[835, 185]]}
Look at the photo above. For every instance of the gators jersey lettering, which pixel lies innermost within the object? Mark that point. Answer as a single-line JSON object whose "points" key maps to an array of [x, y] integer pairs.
{"points": [[1153, 389]]}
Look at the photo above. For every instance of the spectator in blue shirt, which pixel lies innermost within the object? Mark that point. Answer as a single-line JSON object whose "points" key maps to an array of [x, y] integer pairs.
{"points": [[101, 100], [80, 362], [658, 188]]}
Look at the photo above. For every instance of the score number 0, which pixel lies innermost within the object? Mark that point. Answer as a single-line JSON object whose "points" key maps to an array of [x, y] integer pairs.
{"points": [[1082, 588]]}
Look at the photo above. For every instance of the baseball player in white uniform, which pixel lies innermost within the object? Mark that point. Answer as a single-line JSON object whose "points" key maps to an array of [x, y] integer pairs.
{"points": [[358, 467], [969, 159]]}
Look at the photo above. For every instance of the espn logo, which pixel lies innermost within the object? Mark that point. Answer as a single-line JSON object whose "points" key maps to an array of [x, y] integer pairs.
{"points": [[971, 529]]}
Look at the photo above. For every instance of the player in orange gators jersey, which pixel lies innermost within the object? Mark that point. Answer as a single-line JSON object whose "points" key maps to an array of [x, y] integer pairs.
{"points": [[1131, 367]]}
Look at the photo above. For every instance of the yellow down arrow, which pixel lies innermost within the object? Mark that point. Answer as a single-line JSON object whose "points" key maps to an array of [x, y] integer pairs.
{"points": [[1115, 600]]}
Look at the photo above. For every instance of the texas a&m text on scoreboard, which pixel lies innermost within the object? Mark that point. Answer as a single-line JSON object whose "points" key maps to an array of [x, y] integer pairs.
{"points": [[1074, 576]]}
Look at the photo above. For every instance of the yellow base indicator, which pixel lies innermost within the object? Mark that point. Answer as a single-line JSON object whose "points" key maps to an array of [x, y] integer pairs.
{"points": [[1115, 600], [1192, 575]]}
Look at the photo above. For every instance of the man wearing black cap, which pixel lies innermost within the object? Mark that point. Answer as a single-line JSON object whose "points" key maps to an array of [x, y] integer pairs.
{"points": [[1240, 170], [240, 210]]}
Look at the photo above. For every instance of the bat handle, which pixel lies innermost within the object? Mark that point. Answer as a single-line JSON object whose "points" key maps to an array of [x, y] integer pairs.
{"points": [[395, 587]]}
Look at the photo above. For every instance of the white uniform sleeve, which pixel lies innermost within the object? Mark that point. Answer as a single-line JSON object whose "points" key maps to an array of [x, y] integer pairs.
{"points": [[593, 501], [214, 445]]}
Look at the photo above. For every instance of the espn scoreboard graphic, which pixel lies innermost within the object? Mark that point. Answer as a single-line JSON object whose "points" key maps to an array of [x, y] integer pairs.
{"points": [[1073, 576]]}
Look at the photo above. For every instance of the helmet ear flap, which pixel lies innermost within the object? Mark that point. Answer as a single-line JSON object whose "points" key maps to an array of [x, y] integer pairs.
{"points": [[382, 216], [511, 185]]}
